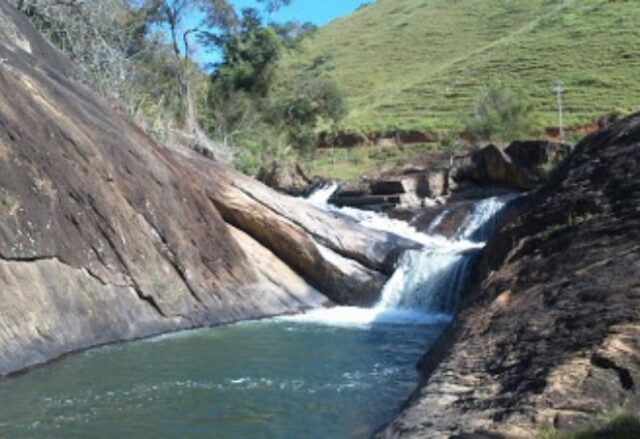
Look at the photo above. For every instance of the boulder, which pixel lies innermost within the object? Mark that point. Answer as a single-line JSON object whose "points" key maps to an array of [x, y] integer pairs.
{"points": [[535, 155], [521, 166], [491, 166], [433, 184], [290, 179], [392, 187]]}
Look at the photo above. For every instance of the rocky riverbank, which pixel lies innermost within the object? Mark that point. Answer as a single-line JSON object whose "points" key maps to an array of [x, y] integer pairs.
{"points": [[549, 336]]}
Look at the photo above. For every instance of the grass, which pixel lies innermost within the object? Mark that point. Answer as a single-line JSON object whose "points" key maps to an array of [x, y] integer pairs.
{"points": [[348, 163], [616, 425], [573, 222], [418, 64]]}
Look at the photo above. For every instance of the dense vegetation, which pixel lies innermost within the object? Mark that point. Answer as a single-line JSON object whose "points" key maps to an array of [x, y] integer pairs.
{"points": [[420, 64]]}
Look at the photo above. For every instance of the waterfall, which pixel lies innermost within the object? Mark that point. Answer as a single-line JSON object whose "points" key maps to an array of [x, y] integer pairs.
{"points": [[428, 284], [321, 196]]}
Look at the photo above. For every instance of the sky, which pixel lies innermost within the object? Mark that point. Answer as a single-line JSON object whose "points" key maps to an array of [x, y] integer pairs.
{"points": [[319, 12]]}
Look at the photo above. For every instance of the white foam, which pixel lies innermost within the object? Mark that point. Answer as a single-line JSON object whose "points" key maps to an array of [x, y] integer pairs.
{"points": [[320, 198], [354, 317], [427, 284]]}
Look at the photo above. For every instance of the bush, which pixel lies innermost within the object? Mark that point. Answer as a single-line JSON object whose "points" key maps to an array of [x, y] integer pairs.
{"points": [[311, 101], [500, 114], [451, 143]]}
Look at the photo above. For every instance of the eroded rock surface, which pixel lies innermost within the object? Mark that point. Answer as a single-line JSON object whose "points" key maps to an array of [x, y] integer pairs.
{"points": [[107, 236], [550, 337]]}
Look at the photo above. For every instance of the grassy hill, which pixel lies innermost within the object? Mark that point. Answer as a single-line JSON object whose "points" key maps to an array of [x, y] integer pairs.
{"points": [[419, 64]]}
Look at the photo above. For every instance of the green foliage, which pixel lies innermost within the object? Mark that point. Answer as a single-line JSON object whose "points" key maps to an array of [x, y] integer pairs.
{"points": [[292, 33], [616, 425], [263, 151], [347, 163], [241, 83], [174, 14], [310, 101], [248, 105], [126, 57], [451, 144], [500, 114]]}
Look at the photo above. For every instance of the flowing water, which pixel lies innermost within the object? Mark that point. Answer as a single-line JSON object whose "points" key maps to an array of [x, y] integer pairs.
{"points": [[331, 373]]}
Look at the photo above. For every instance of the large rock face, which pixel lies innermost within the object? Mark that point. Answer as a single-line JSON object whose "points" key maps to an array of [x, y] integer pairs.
{"points": [[551, 335], [106, 235]]}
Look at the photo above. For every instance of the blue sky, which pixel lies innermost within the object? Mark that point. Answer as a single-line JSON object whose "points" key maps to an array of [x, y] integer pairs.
{"points": [[319, 12], [316, 11]]}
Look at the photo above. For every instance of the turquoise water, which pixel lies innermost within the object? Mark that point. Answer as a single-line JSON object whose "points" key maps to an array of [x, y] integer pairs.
{"points": [[271, 379]]}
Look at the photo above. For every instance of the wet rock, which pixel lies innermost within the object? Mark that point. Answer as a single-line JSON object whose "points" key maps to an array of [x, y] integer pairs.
{"points": [[549, 336], [433, 178]]}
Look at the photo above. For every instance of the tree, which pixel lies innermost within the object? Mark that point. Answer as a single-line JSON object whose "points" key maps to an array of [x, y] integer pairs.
{"points": [[311, 100], [103, 37], [231, 115], [272, 6], [250, 106], [249, 58], [242, 81], [173, 14], [500, 114], [292, 33]]}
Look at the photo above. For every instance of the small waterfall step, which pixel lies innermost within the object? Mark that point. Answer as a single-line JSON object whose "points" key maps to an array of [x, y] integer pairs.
{"points": [[428, 284]]}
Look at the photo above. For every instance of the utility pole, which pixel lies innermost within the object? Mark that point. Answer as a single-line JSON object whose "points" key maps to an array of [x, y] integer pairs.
{"points": [[559, 89]]}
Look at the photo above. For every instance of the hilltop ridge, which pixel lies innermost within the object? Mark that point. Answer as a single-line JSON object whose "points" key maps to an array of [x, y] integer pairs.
{"points": [[419, 64]]}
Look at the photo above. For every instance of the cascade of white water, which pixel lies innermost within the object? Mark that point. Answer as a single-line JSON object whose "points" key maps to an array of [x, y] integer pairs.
{"points": [[433, 279], [321, 196], [428, 284]]}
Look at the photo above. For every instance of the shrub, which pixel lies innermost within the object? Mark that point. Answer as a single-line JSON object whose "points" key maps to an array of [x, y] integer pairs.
{"points": [[499, 114]]}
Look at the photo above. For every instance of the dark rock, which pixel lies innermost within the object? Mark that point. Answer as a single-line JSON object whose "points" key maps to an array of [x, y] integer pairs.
{"points": [[535, 155], [370, 202], [521, 166], [550, 335], [490, 166], [387, 188]]}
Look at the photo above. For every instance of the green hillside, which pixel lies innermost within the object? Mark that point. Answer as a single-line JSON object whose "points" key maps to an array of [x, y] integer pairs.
{"points": [[420, 63]]}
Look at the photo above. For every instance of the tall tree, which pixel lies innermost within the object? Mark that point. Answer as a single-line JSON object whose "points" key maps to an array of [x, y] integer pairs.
{"points": [[249, 54], [272, 6], [184, 20], [243, 79], [187, 18]]}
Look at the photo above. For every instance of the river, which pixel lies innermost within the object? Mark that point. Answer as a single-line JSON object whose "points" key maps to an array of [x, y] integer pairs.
{"points": [[332, 373]]}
